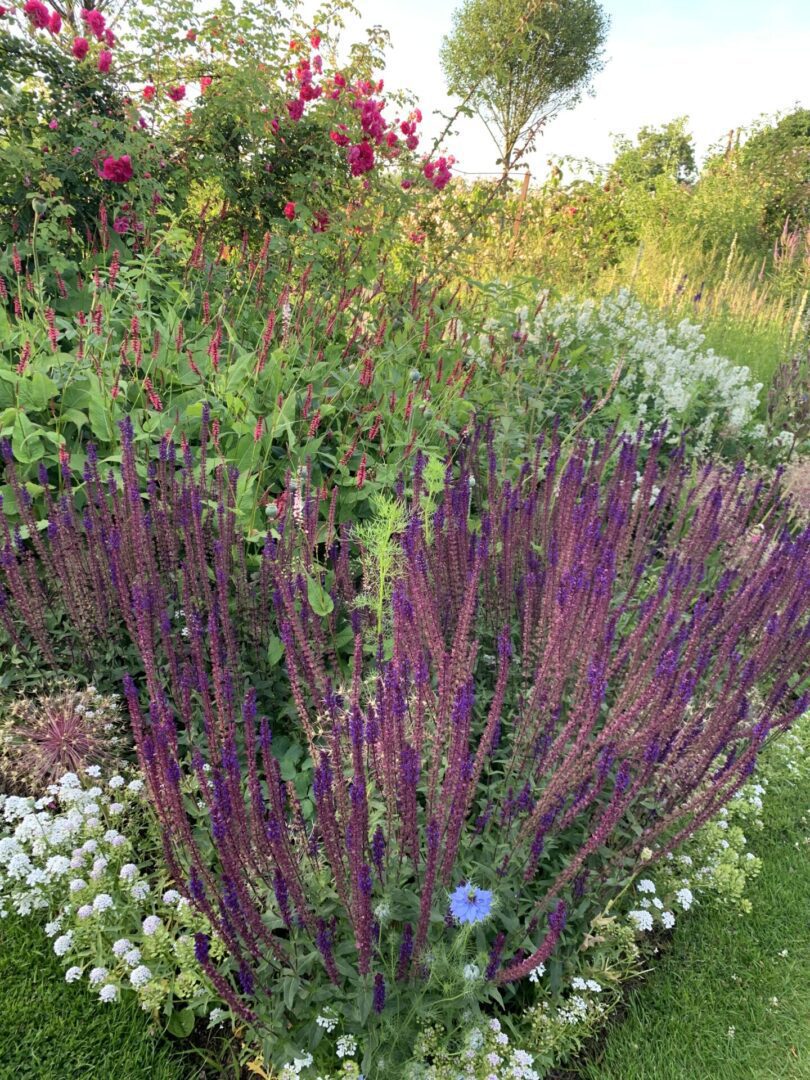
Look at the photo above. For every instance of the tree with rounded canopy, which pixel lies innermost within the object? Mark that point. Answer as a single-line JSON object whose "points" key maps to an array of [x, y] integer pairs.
{"points": [[667, 151], [519, 62]]}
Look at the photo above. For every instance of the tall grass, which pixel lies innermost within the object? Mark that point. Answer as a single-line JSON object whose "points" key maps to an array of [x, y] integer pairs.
{"points": [[746, 311]]}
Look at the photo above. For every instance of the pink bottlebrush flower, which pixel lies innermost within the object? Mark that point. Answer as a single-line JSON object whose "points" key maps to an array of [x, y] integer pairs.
{"points": [[38, 14], [258, 430], [25, 356], [117, 170], [176, 93], [361, 158], [295, 109], [104, 61], [95, 20], [80, 47], [152, 394], [55, 22], [289, 211], [361, 472]]}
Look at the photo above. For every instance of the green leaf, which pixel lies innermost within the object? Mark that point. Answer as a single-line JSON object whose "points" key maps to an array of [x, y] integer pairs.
{"points": [[181, 1023], [25, 440], [99, 417], [275, 650], [319, 599]]}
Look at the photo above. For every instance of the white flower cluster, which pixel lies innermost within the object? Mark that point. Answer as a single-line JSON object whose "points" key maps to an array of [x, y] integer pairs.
{"points": [[488, 1048], [60, 854], [43, 846], [668, 373]]}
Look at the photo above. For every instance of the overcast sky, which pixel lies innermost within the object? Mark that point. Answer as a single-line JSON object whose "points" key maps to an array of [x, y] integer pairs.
{"points": [[720, 62]]}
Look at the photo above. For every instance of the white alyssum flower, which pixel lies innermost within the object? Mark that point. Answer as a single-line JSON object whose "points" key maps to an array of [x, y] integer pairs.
{"points": [[140, 976], [668, 919], [57, 866], [72, 974], [140, 890], [99, 866], [471, 972], [121, 946], [346, 1046], [63, 944], [536, 973], [151, 924], [108, 993], [116, 782], [98, 975], [102, 902], [132, 957], [171, 896], [642, 920], [52, 928], [326, 1021], [684, 898], [216, 1016], [646, 886]]}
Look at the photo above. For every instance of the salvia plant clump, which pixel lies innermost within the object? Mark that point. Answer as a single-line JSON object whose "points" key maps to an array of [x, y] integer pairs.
{"points": [[567, 673]]}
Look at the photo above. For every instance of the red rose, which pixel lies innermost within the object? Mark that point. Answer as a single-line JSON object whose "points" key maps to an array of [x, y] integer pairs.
{"points": [[38, 14], [117, 170]]}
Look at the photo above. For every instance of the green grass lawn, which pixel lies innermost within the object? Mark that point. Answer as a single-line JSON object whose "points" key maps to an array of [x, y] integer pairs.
{"points": [[724, 1004], [52, 1031]]}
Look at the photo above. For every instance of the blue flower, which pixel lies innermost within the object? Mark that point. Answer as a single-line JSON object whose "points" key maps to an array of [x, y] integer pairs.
{"points": [[469, 904]]}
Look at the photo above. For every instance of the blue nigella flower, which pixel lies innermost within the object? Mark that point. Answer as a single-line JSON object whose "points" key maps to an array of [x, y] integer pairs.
{"points": [[469, 904]]}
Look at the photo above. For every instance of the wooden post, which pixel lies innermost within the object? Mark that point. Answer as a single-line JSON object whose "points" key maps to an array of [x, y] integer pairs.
{"points": [[524, 191]]}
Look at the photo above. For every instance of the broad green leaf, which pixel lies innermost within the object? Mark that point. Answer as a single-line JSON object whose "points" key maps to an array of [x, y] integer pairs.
{"points": [[319, 599]]}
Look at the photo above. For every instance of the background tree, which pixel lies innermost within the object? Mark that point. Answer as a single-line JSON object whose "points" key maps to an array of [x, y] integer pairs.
{"points": [[667, 151], [518, 63]]}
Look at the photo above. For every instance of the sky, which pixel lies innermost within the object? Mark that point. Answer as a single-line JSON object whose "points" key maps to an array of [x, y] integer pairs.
{"points": [[721, 63]]}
